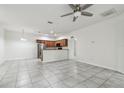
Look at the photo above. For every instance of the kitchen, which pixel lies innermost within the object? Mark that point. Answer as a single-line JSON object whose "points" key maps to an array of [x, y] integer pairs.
{"points": [[53, 50]]}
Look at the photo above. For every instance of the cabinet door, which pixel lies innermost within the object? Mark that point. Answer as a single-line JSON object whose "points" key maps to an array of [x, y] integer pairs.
{"points": [[50, 43], [46, 43], [53, 43], [66, 42], [62, 43]]}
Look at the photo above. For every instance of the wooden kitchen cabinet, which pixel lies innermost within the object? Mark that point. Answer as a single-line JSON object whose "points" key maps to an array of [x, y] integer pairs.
{"points": [[50, 44], [63, 43]]}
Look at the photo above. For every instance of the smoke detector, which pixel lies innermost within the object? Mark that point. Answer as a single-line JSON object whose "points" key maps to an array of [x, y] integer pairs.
{"points": [[109, 12]]}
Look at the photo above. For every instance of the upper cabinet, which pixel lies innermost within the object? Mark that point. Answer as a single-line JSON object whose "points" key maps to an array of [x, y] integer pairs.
{"points": [[62, 43]]}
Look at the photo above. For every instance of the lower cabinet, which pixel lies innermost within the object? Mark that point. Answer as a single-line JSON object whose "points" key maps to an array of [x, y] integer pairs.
{"points": [[55, 55]]}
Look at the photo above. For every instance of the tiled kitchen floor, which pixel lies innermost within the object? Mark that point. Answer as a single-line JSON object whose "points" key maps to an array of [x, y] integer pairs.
{"points": [[63, 74]]}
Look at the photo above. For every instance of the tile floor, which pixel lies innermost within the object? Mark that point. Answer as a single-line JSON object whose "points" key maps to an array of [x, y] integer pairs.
{"points": [[63, 74]]}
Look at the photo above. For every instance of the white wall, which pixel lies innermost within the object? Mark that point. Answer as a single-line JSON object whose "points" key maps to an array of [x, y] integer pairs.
{"points": [[1, 46], [102, 44], [120, 43], [17, 49]]}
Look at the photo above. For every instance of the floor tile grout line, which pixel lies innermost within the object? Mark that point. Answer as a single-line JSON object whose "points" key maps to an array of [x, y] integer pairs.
{"points": [[4, 74], [17, 75], [87, 78], [106, 80], [84, 71], [91, 76], [37, 67], [45, 79], [28, 74], [55, 76]]}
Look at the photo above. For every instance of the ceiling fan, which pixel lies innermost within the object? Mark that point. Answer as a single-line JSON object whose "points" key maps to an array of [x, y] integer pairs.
{"points": [[78, 10]]}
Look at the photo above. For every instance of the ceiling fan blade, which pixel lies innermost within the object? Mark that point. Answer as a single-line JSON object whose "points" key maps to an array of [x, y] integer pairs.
{"points": [[67, 14], [74, 18], [86, 6], [72, 6], [86, 13]]}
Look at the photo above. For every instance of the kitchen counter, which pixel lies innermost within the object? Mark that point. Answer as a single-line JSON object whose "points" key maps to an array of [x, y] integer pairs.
{"points": [[55, 49], [50, 55]]}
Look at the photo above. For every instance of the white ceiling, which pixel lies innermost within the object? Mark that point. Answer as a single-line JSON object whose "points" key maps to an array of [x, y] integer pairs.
{"points": [[33, 18]]}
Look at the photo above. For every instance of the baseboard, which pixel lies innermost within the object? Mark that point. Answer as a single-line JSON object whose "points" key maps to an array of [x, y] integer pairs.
{"points": [[19, 59], [54, 61], [96, 65]]}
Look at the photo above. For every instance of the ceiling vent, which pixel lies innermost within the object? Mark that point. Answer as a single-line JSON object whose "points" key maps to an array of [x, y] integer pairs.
{"points": [[109, 12]]}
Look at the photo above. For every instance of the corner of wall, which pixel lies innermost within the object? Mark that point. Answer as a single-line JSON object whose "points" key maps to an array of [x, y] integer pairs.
{"points": [[1, 46]]}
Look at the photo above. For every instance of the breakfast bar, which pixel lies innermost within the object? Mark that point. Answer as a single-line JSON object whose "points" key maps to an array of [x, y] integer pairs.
{"points": [[50, 55]]}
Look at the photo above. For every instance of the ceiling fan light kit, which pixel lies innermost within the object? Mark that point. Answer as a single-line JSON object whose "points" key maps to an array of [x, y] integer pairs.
{"points": [[77, 14]]}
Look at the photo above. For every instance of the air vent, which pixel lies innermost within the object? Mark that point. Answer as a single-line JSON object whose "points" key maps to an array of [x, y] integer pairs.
{"points": [[108, 12], [50, 22]]}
